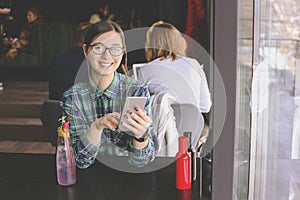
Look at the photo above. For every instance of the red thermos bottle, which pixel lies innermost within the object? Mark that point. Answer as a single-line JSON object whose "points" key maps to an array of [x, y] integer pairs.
{"points": [[183, 165]]}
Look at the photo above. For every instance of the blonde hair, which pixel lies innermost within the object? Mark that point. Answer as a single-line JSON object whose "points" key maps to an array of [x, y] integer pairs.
{"points": [[163, 40]]}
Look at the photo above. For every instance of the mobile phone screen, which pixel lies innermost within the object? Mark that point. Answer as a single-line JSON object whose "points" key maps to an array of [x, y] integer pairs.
{"points": [[130, 104]]}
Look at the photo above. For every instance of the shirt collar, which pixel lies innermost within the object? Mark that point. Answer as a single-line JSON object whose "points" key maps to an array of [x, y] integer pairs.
{"points": [[110, 92]]}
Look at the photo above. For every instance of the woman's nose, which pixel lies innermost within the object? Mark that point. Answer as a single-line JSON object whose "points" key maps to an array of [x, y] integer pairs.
{"points": [[107, 54]]}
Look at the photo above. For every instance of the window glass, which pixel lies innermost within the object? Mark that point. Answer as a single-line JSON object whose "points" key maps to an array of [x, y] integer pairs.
{"points": [[275, 117], [244, 74]]}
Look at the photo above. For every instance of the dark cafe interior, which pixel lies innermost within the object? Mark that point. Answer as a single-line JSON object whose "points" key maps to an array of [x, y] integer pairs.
{"points": [[140, 99]]}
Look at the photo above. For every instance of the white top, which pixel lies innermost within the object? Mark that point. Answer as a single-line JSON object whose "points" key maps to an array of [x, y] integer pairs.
{"points": [[183, 78]]}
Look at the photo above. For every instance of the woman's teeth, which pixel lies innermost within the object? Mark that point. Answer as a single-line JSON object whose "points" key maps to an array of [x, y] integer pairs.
{"points": [[106, 64]]}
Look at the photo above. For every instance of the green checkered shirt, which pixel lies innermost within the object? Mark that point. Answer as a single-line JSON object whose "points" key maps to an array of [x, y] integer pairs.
{"points": [[85, 102]]}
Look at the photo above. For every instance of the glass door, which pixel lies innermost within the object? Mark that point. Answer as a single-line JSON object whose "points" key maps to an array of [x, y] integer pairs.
{"points": [[243, 95], [274, 160], [266, 154]]}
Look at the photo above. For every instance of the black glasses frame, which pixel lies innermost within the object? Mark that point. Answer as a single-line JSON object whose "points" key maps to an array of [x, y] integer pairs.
{"points": [[105, 48]]}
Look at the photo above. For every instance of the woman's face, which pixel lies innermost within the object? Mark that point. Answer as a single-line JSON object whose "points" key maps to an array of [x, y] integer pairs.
{"points": [[106, 10], [31, 17], [105, 64]]}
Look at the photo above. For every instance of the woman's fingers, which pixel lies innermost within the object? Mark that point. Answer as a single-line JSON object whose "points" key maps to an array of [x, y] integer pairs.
{"points": [[116, 115], [137, 130], [131, 128], [109, 121], [137, 122], [143, 114]]}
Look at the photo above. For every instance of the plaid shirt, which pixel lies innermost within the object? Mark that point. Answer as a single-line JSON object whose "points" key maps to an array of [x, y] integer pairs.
{"points": [[85, 102]]}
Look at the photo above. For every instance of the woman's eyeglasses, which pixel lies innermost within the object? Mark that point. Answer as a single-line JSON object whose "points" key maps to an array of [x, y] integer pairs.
{"points": [[100, 49]]}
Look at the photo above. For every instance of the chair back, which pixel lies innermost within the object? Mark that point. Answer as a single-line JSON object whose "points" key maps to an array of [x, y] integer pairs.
{"points": [[51, 111], [135, 68], [188, 119]]}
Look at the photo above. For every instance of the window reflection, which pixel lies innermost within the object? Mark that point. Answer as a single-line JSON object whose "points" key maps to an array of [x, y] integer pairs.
{"points": [[274, 123]]}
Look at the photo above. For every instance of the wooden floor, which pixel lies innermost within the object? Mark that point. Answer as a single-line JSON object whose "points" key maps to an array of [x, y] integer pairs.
{"points": [[21, 130], [26, 147]]}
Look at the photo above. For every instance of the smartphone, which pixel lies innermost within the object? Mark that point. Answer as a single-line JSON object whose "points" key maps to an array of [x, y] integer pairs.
{"points": [[130, 104]]}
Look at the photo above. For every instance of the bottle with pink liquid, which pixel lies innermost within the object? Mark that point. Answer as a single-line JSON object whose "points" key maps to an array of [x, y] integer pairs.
{"points": [[65, 163]]}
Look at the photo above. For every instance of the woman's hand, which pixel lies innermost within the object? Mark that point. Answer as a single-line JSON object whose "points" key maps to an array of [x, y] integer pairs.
{"points": [[12, 53], [137, 122], [109, 121]]}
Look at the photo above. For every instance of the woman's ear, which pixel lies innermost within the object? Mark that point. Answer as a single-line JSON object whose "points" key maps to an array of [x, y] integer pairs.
{"points": [[85, 49]]}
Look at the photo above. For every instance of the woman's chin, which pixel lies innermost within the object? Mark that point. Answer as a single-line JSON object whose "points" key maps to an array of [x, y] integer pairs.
{"points": [[107, 72]]}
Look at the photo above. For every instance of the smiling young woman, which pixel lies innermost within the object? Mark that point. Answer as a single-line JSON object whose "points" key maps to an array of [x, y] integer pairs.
{"points": [[90, 104]]}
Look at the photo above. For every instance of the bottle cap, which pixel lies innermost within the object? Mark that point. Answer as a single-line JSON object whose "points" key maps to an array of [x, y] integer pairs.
{"points": [[183, 143], [189, 135]]}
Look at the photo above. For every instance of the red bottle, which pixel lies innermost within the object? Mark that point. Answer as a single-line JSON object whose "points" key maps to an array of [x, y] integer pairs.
{"points": [[183, 165]]}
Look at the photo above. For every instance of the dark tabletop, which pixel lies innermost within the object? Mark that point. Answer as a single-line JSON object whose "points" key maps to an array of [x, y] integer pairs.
{"points": [[33, 176]]}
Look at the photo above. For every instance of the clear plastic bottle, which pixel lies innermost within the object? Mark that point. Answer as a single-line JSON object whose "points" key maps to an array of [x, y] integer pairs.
{"points": [[183, 165], [65, 163]]}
